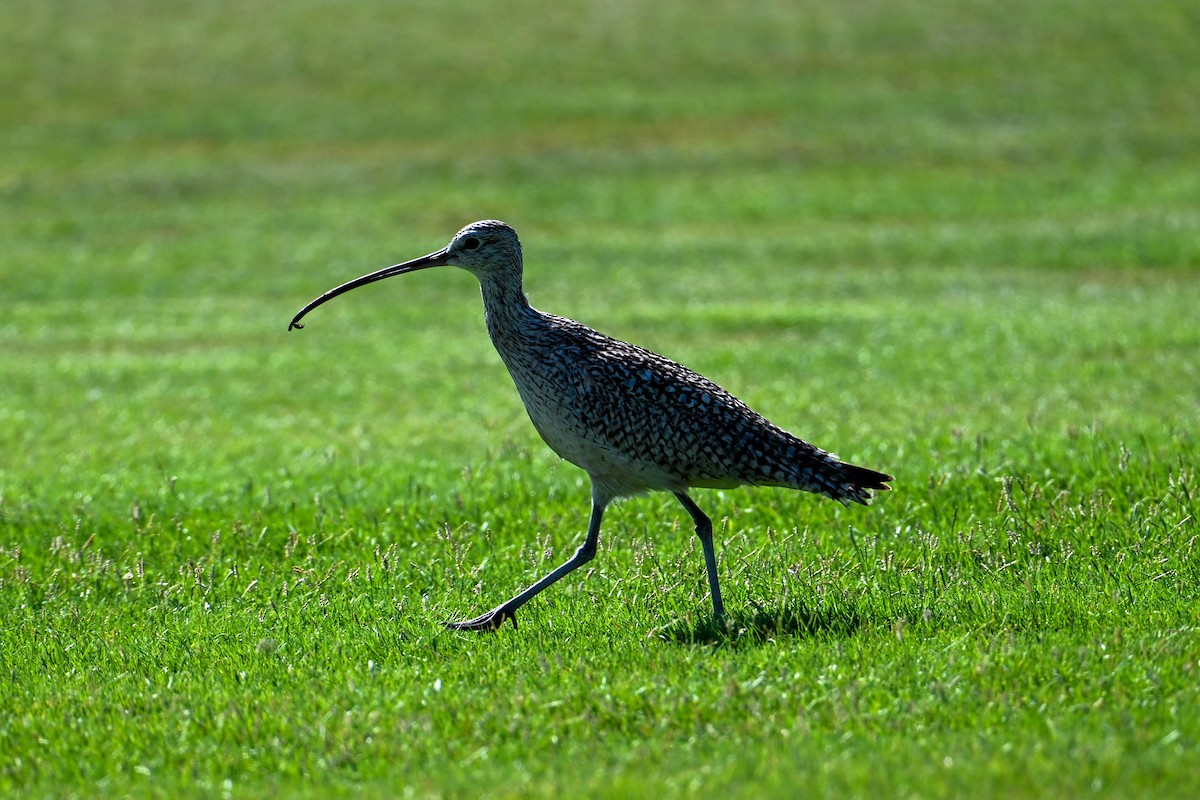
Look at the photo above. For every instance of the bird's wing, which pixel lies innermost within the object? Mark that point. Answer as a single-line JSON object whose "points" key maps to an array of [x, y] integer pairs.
{"points": [[652, 410]]}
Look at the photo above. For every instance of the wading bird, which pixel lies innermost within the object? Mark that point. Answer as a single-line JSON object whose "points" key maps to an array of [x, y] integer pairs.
{"points": [[633, 420]]}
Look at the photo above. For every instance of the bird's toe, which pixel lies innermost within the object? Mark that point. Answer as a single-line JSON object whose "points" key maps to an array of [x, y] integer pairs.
{"points": [[491, 621]]}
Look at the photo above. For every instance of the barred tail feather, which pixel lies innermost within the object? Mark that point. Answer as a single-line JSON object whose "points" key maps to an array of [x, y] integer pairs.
{"points": [[856, 483]]}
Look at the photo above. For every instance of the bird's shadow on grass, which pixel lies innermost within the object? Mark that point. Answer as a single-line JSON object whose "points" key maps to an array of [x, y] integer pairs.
{"points": [[760, 625]]}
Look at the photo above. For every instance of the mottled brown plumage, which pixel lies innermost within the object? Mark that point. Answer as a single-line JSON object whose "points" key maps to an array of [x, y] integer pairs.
{"points": [[634, 420]]}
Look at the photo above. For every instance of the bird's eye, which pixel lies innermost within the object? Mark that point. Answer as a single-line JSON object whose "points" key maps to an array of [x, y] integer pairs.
{"points": [[470, 243]]}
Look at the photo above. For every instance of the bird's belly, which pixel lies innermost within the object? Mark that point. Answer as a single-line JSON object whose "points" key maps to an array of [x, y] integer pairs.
{"points": [[613, 469]]}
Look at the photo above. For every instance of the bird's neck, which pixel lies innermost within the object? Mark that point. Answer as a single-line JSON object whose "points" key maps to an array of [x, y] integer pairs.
{"points": [[507, 309]]}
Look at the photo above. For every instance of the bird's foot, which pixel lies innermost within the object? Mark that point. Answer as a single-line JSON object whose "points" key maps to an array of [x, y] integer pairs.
{"points": [[491, 621]]}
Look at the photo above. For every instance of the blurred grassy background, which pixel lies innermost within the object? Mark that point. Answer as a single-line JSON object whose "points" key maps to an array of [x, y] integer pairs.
{"points": [[177, 179]]}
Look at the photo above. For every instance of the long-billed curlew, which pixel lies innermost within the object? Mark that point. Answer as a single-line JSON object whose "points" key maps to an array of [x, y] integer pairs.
{"points": [[633, 420]]}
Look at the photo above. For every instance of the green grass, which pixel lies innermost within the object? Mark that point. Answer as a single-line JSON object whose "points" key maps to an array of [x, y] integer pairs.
{"points": [[955, 241]]}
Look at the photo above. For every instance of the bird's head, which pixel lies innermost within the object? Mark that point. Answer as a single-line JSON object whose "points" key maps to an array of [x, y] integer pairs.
{"points": [[487, 249]]}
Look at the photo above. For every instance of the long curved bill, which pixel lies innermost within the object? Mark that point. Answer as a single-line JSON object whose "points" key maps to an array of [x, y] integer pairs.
{"points": [[437, 259]]}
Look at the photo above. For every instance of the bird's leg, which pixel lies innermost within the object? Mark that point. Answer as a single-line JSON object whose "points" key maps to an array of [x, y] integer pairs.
{"points": [[495, 618], [704, 532]]}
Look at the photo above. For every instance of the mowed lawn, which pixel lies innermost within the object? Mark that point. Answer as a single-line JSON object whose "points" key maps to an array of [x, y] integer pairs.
{"points": [[957, 242]]}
